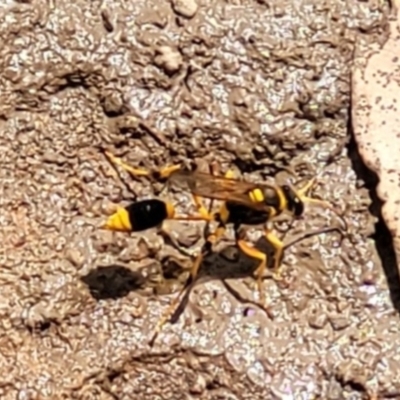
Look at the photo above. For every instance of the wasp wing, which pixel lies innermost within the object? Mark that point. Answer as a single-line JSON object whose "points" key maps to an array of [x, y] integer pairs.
{"points": [[218, 187]]}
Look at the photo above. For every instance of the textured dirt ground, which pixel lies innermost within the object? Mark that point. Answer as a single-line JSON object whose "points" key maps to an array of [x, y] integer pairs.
{"points": [[258, 85]]}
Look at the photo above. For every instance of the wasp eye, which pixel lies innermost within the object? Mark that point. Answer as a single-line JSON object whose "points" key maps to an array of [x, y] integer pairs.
{"points": [[298, 207]]}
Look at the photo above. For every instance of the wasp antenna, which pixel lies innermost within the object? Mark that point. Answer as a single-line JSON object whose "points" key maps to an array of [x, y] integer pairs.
{"points": [[338, 215], [302, 193], [329, 206], [312, 233]]}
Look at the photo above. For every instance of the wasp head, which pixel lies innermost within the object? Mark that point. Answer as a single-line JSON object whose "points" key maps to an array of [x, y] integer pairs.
{"points": [[294, 203]]}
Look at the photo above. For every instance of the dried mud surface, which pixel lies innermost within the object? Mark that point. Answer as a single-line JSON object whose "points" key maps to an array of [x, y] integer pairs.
{"points": [[260, 86]]}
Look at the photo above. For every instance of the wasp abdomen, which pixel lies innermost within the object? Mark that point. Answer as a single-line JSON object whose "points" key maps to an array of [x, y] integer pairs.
{"points": [[147, 214]]}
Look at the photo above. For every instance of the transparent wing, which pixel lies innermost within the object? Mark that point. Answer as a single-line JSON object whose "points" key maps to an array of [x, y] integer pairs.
{"points": [[218, 187]]}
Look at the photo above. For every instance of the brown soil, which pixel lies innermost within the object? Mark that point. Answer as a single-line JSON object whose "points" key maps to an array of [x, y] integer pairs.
{"points": [[261, 86]]}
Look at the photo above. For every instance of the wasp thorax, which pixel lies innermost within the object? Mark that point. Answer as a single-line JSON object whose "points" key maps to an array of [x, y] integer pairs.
{"points": [[271, 198]]}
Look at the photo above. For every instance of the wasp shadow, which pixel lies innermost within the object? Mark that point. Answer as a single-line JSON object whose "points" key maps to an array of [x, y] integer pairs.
{"points": [[113, 281], [229, 263], [172, 275], [216, 266], [382, 236], [116, 281]]}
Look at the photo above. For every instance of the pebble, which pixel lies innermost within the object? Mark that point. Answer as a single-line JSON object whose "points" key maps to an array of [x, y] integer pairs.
{"points": [[318, 320], [338, 323], [199, 385], [189, 236], [75, 257], [185, 8], [169, 59]]}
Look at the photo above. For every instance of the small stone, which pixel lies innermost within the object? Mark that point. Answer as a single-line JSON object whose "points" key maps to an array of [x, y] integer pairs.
{"points": [[317, 320], [107, 20], [185, 8], [53, 158], [169, 59], [17, 239], [338, 322], [137, 252], [188, 237], [113, 104], [199, 385], [137, 307], [75, 257], [368, 278]]}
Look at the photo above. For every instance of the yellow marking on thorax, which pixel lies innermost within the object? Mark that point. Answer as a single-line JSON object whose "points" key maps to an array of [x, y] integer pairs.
{"points": [[119, 221], [257, 196], [283, 203]]}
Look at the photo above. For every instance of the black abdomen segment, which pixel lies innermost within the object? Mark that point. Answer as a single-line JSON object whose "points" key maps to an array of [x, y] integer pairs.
{"points": [[146, 214], [240, 214]]}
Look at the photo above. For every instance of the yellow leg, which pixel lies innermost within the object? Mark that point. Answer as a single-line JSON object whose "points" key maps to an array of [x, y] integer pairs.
{"points": [[193, 274], [133, 171], [201, 209], [199, 203], [172, 307], [258, 255], [163, 173], [278, 247], [211, 239]]}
